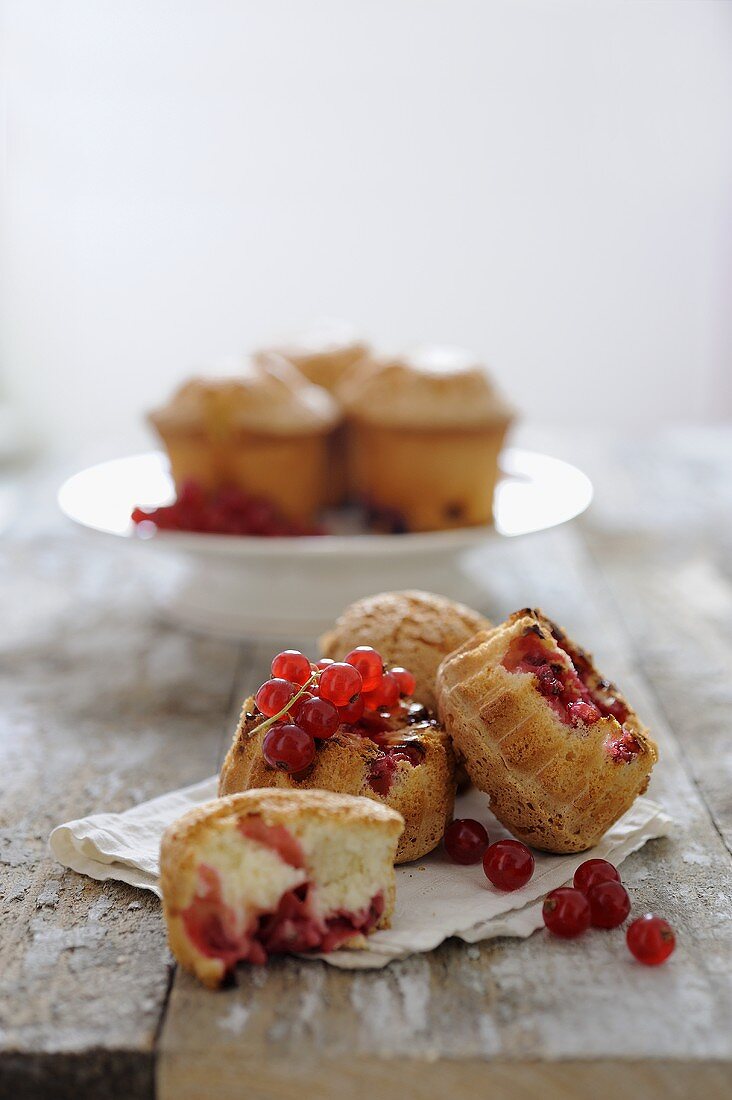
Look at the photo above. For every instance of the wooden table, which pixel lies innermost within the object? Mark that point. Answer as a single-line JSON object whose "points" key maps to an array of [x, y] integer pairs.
{"points": [[103, 706]]}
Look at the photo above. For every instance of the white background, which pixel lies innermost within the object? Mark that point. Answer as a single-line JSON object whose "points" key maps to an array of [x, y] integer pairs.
{"points": [[548, 183]]}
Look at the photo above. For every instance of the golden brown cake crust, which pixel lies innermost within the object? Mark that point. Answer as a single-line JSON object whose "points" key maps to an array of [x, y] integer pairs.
{"points": [[554, 786], [262, 395], [410, 628], [278, 806], [324, 352], [426, 387], [424, 795]]}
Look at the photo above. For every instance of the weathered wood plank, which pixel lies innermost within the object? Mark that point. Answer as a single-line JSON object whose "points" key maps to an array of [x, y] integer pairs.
{"points": [[102, 707], [671, 579], [469, 1078], [303, 1025]]}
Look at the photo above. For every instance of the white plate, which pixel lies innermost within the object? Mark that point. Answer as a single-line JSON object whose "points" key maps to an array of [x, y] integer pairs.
{"points": [[238, 586]]}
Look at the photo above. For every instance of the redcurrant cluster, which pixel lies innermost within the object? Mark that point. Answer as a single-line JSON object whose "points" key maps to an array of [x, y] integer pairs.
{"points": [[224, 511], [598, 898], [304, 703]]}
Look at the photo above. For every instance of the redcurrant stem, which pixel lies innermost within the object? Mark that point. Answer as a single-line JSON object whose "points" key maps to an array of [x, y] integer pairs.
{"points": [[285, 710]]}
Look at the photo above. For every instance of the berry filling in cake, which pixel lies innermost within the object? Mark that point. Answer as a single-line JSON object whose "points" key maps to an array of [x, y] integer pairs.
{"points": [[276, 837], [564, 680], [217, 930], [397, 747]]}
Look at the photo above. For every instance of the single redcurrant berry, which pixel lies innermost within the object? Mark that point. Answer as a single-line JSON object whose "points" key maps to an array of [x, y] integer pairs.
{"points": [[371, 700], [339, 683], [381, 774], [352, 712], [465, 840], [583, 713], [319, 718], [385, 695], [288, 747], [566, 912], [592, 871], [324, 662], [294, 711], [292, 665], [404, 678], [609, 904], [413, 752], [273, 696], [651, 939], [508, 864], [369, 664], [389, 691]]}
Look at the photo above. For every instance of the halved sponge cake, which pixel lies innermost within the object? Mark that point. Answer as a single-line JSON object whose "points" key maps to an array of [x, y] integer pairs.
{"points": [[271, 871]]}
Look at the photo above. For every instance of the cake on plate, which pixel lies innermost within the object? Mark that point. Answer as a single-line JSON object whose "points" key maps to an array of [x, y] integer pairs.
{"points": [[258, 428], [324, 353], [426, 429]]}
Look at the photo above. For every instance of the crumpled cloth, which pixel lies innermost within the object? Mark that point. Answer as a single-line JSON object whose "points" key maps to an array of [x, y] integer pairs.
{"points": [[435, 897]]}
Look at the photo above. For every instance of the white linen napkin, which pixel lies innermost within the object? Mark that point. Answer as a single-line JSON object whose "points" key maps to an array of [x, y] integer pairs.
{"points": [[435, 898]]}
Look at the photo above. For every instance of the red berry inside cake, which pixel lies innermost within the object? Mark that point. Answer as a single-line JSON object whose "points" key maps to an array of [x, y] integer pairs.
{"points": [[567, 680], [270, 872]]}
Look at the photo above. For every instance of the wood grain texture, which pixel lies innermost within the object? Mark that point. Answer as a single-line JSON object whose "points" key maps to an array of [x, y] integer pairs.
{"points": [[103, 706]]}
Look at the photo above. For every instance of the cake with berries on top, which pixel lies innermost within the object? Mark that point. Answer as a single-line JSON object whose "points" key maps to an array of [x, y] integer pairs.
{"points": [[426, 429], [411, 628], [270, 872], [557, 747], [259, 428], [349, 727]]}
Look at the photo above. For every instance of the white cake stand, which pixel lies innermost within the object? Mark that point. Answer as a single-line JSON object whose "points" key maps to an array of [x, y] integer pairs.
{"points": [[243, 586]]}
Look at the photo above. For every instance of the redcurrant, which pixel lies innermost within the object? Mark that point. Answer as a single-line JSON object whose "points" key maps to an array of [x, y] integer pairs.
{"points": [[339, 683], [288, 747], [508, 864], [609, 904], [651, 939], [566, 912], [384, 696], [592, 871], [292, 665], [404, 678], [319, 718], [294, 711], [381, 774], [583, 713], [324, 662], [273, 695], [389, 691], [465, 840], [413, 752], [352, 712], [369, 664]]}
